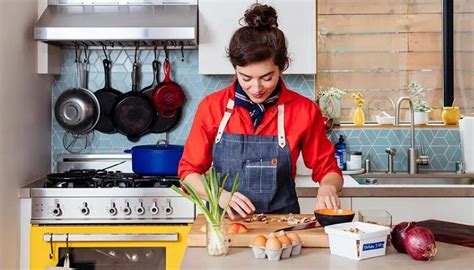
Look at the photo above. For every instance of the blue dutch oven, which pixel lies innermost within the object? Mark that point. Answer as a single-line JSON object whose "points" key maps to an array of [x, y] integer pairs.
{"points": [[158, 159]]}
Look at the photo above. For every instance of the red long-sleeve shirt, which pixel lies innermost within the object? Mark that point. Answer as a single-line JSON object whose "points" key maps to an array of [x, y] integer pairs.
{"points": [[304, 130]]}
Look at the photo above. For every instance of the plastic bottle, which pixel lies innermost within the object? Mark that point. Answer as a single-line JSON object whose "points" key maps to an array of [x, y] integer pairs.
{"points": [[341, 153]]}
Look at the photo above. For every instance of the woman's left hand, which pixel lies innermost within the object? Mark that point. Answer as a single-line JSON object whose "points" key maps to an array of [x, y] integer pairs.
{"points": [[327, 197]]}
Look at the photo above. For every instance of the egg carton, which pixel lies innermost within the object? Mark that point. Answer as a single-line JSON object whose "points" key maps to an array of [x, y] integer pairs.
{"points": [[276, 255]]}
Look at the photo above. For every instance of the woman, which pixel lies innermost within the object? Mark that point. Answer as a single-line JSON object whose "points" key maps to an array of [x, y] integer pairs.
{"points": [[256, 127]]}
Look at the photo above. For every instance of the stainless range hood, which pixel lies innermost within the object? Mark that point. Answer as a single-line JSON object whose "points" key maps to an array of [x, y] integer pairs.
{"points": [[124, 25]]}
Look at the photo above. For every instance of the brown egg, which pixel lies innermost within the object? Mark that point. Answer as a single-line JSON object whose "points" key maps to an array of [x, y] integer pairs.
{"points": [[284, 240], [273, 243], [294, 237], [259, 241]]}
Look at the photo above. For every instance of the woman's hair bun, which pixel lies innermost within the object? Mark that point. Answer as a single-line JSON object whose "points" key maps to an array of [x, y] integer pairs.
{"points": [[261, 16]]}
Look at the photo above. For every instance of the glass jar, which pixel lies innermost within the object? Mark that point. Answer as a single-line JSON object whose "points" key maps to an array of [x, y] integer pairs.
{"points": [[217, 239], [376, 216], [379, 217]]}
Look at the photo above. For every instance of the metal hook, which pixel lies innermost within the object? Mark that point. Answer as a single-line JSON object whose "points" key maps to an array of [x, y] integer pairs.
{"points": [[51, 253], [167, 55], [182, 51], [86, 53], [155, 50], [136, 51], [104, 48], [76, 47]]}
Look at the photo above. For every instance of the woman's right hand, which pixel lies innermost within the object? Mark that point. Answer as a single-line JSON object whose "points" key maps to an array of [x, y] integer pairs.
{"points": [[239, 203]]}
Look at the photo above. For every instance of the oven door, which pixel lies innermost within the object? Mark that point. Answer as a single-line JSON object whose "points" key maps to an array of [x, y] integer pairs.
{"points": [[109, 246]]}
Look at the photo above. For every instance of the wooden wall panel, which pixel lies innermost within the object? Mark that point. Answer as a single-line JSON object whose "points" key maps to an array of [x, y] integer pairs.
{"points": [[463, 6], [381, 23], [379, 61], [362, 6], [425, 42], [380, 80], [424, 6], [363, 43], [380, 46]]}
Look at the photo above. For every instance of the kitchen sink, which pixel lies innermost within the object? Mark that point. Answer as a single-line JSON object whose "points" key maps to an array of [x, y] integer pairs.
{"points": [[417, 179]]}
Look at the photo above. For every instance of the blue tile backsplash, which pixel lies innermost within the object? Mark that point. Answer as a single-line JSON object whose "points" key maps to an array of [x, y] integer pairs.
{"points": [[442, 145]]}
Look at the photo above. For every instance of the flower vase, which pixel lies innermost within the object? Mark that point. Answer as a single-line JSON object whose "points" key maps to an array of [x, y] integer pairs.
{"points": [[359, 118], [217, 239]]}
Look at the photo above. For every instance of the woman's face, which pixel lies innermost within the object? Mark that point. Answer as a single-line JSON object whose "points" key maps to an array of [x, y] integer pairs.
{"points": [[258, 80]]}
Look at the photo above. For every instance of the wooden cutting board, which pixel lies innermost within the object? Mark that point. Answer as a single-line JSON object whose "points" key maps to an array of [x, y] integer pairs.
{"points": [[449, 232], [311, 237]]}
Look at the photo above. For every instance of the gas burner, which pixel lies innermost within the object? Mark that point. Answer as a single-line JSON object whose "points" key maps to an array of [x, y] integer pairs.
{"points": [[155, 181], [107, 179]]}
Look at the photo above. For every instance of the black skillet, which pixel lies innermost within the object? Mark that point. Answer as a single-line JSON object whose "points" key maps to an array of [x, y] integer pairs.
{"points": [[107, 97], [166, 120], [133, 113]]}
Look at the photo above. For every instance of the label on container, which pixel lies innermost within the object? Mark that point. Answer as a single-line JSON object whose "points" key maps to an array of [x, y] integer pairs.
{"points": [[371, 246]]}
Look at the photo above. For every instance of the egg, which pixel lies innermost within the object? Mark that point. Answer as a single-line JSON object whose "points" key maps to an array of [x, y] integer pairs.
{"points": [[259, 241], [284, 240], [273, 243], [294, 237]]}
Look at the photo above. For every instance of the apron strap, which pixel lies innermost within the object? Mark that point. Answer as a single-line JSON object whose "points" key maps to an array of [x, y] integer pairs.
{"points": [[225, 119], [281, 126]]}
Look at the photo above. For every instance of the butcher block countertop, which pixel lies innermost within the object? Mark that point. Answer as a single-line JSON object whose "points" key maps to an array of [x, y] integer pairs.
{"points": [[314, 237], [448, 257]]}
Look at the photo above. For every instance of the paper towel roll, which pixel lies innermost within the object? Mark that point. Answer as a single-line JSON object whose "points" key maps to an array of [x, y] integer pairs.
{"points": [[466, 130]]}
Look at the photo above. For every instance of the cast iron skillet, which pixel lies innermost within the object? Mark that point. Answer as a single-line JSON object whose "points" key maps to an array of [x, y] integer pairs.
{"points": [[167, 95], [77, 109], [107, 97], [164, 120], [133, 113]]}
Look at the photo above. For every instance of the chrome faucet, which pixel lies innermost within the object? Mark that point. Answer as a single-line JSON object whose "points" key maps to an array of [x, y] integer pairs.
{"points": [[391, 153], [413, 159]]}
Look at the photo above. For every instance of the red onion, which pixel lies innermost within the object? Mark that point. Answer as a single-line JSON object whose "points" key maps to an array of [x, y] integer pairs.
{"points": [[399, 233], [420, 244]]}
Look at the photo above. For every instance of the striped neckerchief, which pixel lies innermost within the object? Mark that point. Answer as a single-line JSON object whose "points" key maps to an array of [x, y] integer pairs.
{"points": [[256, 110]]}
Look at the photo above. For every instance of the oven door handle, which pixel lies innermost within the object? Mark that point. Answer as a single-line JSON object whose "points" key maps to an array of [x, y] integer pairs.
{"points": [[140, 237]]}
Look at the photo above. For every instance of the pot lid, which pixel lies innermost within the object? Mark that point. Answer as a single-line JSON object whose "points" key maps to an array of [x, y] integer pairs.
{"points": [[159, 147]]}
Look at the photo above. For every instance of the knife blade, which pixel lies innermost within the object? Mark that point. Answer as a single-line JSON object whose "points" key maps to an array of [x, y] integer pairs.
{"points": [[305, 226]]}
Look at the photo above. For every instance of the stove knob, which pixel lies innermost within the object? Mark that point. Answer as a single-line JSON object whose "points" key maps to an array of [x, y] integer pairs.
{"points": [[85, 210], [57, 211], [127, 210], [169, 209], [154, 209], [113, 210], [141, 209]]}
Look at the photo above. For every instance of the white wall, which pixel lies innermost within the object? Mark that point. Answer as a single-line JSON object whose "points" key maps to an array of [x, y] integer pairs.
{"points": [[25, 119]]}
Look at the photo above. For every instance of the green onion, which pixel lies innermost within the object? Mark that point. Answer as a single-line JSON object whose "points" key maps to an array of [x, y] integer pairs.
{"points": [[213, 185]]}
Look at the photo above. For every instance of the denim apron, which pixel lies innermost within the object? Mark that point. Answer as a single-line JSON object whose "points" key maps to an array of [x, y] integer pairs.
{"points": [[263, 164]]}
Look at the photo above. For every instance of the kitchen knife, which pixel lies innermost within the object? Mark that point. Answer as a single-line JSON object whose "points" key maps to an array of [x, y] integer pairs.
{"points": [[305, 226]]}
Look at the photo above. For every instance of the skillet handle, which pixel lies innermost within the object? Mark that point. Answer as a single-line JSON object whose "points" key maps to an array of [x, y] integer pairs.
{"points": [[128, 151], [135, 77], [167, 70]]}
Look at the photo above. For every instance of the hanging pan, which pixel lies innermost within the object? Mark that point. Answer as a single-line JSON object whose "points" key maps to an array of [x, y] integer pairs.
{"points": [[164, 120], [107, 97], [167, 95], [77, 109], [133, 113]]}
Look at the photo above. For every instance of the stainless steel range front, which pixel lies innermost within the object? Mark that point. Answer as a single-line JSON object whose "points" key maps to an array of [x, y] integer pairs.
{"points": [[83, 192]]}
